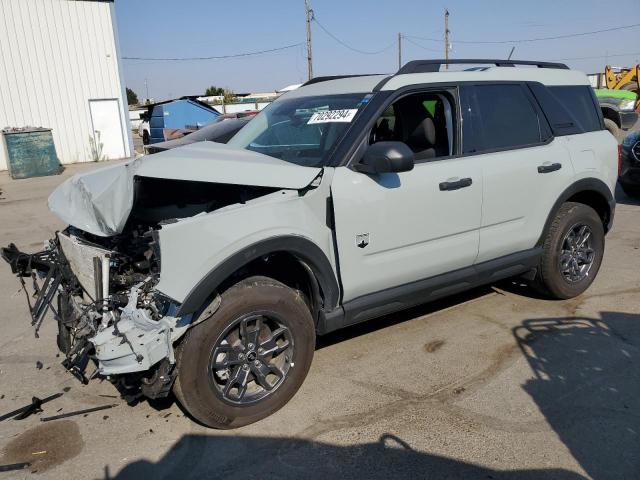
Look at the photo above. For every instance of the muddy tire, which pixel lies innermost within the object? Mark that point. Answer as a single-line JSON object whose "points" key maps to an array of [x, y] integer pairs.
{"points": [[249, 358], [572, 252]]}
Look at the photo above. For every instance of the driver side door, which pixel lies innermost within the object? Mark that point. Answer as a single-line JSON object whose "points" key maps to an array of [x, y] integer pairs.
{"points": [[398, 233]]}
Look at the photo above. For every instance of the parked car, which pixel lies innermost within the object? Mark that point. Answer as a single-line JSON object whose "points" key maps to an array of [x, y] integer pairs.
{"points": [[629, 178], [220, 130], [210, 269], [163, 119], [618, 109]]}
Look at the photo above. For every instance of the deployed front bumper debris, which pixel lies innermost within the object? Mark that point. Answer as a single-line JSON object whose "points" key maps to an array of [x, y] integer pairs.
{"points": [[43, 264], [107, 310]]}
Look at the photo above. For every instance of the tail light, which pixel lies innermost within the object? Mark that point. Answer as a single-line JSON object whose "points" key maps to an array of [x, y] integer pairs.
{"points": [[619, 159]]}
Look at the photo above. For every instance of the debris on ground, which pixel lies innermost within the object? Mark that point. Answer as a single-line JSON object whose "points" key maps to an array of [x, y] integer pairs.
{"points": [[14, 466], [28, 410], [39, 365], [78, 412]]}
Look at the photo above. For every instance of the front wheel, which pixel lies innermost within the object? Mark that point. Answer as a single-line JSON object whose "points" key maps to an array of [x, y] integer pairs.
{"points": [[572, 252], [249, 358]]}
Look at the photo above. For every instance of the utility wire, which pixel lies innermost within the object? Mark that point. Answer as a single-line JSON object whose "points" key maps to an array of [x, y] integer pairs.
{"points": [[527, 40], [215, 57], [597, 56], [418, 45], [364, 52]]}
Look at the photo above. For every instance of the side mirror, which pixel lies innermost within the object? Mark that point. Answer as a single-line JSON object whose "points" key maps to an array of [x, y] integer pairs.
{"points": [[386, 157]]}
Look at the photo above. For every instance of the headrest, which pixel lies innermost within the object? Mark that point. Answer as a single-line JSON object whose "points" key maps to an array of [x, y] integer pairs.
{"points": [[424, 134]]}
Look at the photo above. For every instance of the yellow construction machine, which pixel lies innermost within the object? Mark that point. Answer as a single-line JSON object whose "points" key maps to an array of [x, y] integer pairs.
{"points": [[623, 78]]}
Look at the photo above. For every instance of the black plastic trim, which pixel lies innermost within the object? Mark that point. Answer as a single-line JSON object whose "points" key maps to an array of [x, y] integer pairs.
{"points": [[303, 249], [423, 291], [584, 185], [430, 66], [328, 78]]}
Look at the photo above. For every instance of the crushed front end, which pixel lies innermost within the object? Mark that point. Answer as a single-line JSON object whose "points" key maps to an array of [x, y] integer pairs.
{"points": [[101, 292]]}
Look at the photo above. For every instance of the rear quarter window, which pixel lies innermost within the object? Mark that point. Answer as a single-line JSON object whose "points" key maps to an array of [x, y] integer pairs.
{"points": [[569, 109], [580, 103]]}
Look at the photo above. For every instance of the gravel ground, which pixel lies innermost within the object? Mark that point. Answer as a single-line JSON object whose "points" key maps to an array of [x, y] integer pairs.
{"points": [[495, 383]]}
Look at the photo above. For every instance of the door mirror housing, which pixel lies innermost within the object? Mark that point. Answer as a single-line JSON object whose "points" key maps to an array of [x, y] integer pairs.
{"points": [[386, 157]]}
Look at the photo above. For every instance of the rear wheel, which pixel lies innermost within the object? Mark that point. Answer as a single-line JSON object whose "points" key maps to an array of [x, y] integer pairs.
{"points": [[573, 250], [249, 359]]}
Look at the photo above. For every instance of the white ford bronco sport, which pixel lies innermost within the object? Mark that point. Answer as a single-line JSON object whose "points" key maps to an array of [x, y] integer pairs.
{"points": [[208, 270]]}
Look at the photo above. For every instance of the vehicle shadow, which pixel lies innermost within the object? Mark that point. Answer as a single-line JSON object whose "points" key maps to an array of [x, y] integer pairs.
{"points": [[199, 456], [587, 384]]}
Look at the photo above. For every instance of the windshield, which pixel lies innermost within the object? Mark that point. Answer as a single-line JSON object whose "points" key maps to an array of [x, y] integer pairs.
{"points": [[301, 130]]}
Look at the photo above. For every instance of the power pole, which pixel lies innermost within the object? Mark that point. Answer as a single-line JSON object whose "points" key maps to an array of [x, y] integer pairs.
{"points": [[446, 38], [309, 14], [399, 50]]}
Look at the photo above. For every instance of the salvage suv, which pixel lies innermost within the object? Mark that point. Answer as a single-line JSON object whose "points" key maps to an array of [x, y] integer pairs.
{"points": [[208, 270]]}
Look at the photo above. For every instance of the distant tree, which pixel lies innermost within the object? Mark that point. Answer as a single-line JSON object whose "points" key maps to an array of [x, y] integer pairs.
{"points": [[132, 98], [228, 94], [214, 91]]}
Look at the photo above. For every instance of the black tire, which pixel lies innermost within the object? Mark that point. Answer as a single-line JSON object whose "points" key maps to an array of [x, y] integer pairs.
{"points": [[196, 387], [612, 127], [631, 190], [550, 278]]}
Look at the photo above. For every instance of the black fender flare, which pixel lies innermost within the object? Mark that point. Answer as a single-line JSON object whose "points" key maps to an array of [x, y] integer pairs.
{"points": [[583, 185], [303, 249]]}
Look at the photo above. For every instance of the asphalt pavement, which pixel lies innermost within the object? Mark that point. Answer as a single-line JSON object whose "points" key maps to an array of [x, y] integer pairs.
{"points": [[492, 384]]}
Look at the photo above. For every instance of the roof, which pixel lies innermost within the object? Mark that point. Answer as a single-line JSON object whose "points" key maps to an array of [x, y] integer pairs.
{"points": [[367, 83]]}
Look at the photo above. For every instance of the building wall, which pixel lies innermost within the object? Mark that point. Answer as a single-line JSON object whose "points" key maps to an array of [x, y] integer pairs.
{"points": [[56, 55]]}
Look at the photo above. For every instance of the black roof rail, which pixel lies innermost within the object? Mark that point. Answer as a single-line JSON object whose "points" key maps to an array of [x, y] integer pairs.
{"points": [[334, 77], [429, 66]]}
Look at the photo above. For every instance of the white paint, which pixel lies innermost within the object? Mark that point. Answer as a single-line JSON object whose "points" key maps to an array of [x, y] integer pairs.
{"points": [[107, 128], [56, 56]]}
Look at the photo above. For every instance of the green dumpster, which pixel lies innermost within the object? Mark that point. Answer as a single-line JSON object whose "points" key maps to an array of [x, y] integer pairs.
{"points": [[31, 153]]}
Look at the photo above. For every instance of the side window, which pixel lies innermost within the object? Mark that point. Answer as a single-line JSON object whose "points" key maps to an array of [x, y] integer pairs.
{"points": [[498, 117], [424, 121], [578, 100]]}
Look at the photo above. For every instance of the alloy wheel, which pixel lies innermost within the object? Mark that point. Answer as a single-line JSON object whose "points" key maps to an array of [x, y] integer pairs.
{"points": [[251, 358], [577, 254]]}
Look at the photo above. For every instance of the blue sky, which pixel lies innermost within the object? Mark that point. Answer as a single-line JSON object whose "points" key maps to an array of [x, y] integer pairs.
{"points": [[166, 28]]}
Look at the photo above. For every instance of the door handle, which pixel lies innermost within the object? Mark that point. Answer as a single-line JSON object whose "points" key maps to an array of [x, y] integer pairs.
{"points": [[456, 184], [547, 168]]}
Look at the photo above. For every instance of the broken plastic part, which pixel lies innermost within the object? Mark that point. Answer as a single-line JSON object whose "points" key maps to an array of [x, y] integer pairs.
{"points": [[77, 412]]}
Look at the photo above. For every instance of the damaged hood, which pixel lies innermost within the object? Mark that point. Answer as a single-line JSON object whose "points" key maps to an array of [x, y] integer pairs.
{"points": [[100, 201]]}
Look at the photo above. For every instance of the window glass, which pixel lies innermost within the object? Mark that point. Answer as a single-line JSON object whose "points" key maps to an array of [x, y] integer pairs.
{"points": [[497, 117], [301, 130], [424, 121], [578, 100]]}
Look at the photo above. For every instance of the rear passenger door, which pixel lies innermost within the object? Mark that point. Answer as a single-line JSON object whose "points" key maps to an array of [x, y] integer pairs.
{"points": [[524, 167]]}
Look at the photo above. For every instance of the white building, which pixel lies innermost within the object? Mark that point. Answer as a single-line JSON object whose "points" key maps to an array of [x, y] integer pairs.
{"points": [[60, 69]]}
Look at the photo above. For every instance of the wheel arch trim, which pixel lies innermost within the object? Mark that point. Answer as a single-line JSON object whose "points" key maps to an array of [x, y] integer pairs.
{"points": [[594, 185], [303, 249]]}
